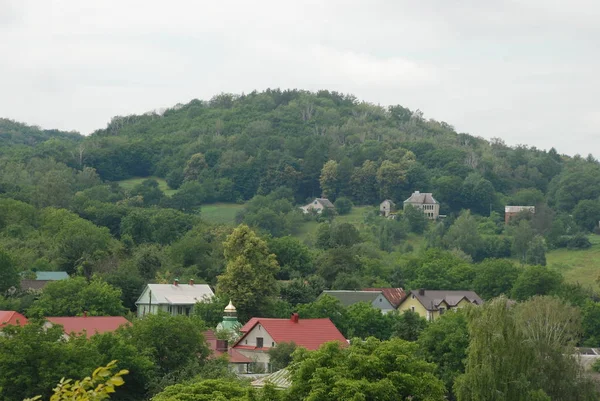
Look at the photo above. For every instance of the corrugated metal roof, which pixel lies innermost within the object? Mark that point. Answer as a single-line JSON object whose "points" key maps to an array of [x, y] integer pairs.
{"points": [[51, 275], [393, 295], [27, 284], [280, 379], [12, 318], [307, 333], [181, 294], [349, 297], [90, 324]]}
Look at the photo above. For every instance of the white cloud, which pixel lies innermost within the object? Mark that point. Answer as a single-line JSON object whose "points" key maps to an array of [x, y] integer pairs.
{"points": [[523, 71]]}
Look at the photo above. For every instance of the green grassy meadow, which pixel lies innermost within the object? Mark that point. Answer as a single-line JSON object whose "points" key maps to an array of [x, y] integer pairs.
{"points": [[162, 184], [220, 213], [578, 266]]}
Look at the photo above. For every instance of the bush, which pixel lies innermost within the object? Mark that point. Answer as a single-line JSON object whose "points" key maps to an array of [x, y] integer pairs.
{"points": [[579, 241], [343, 206]]}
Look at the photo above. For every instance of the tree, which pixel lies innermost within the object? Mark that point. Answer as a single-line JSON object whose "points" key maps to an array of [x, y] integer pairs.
{"points": [[326, 306], [444, 342], [366, 370], [98, 387], [292, 255], [536, 280], [494, 277], [536, 253], [367, 321], [75, 296], [206, 390], [343, 235], [587, 214], [523, 352], [364, 183], [329, 179], [173, 342], [9, 277], [194, 167], [281, 355], [343, 206], [407, 325], [463, 235], [249, 278], [416, 219]]}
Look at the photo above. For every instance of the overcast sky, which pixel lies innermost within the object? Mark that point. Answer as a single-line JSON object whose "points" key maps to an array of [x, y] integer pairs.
{"points": [[525, 71]]}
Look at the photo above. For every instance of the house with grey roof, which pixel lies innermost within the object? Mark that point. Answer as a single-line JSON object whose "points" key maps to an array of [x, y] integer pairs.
{"points": [[431, 304], [424, 202], [42, 278], [317, 205], [376, 299], [511, 212], [175, 299], [387, 208]]}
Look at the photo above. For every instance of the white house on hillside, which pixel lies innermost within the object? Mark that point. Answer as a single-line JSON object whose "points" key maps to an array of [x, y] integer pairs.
{"points": [[176, 299], [318, 205]]}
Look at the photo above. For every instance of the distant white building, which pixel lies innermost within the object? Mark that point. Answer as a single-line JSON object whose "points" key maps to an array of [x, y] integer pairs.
{"points": [[425, 202], [512, 211], [318, 205], [387, 207], [175, 299]]}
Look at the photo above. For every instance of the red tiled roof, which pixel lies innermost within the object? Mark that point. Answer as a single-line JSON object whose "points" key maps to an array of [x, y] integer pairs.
{"points": [[307, 333], [10, 317], [394, 295], [90, 324]]}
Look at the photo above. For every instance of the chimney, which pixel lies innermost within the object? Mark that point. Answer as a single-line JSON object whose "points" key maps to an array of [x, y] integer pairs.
{"points": [[176, 282], [294, 317], [421, 291], [191, 281], [222, 345], [84, 313], [417, 192]]}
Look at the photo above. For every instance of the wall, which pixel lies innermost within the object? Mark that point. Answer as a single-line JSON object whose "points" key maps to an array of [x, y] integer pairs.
{"points": [[409, 303], [382, 303]]}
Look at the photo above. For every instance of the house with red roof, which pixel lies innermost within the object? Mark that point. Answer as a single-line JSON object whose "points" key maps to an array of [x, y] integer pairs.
{"points": [[261, 334], [11, 318], [395, 296], [237, 362], [89, 325]]}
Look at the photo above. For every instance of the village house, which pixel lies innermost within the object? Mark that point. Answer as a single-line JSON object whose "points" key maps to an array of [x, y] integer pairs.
{"points": [[431, 304], [374, 298], [175, 299], [261, 334], [511, 212], [11, 318], [394, 295], [424, 202], [387, 208], [88, 325], [318, 205], [42, 278]]}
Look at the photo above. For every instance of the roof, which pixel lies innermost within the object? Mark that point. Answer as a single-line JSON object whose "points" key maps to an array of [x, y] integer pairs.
{"points": [[234, 356], [27, 284], [325, 202], [280, 379], [431, 299], [348, 297], [390, 201], [421, 198], [393, 295], [90, 324], [181, 294], [51, 275], [307, 333], [12, 318], [517, 209]]}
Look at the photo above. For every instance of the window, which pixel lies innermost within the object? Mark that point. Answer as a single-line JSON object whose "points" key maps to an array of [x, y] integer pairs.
{"points": [[442, 311], [245, 341], [413, 296], [380, 300], [259, 342], [412, 308], [273, 344]]}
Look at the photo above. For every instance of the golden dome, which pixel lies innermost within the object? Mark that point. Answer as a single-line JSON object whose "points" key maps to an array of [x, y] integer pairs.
{"points": [[230, 308]]}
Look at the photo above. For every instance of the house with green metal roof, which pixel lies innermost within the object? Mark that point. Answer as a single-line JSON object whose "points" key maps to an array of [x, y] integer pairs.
{"points": [[51, 276]]}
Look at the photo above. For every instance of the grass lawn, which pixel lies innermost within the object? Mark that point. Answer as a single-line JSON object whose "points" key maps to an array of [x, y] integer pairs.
{"points": [[578, 266], [220, 213], [355, 217], [132, 182]]}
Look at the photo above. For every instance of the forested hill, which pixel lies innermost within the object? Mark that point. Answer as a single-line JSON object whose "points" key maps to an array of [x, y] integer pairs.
{"points": [[326, 143]]}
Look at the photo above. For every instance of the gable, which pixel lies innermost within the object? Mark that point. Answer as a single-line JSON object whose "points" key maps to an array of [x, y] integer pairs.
{"points": [[381, 302]]}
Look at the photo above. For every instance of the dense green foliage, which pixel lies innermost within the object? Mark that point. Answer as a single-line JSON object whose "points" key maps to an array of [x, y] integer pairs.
{"points": [[62, 207]]}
